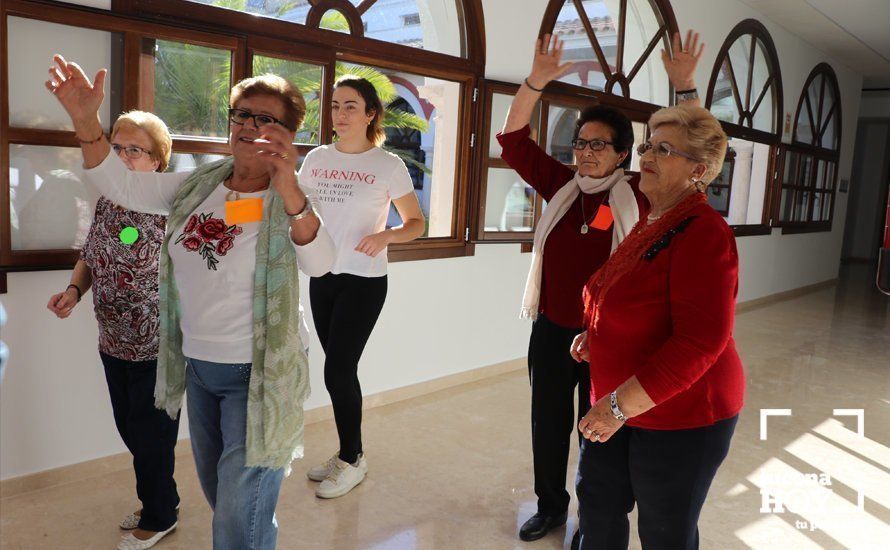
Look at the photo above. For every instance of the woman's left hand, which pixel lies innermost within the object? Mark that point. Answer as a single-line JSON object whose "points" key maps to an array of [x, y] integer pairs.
{"points": [[598, 424], [276, 148], [374, 244], [681, 62]]}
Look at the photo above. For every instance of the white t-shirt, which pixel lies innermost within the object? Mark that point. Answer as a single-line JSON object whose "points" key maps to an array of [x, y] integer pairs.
{"points": [[354, 192], [213, 264]]}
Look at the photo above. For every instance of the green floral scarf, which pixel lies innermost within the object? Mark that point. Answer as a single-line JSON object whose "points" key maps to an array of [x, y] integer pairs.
{"points": [[279, 378]]}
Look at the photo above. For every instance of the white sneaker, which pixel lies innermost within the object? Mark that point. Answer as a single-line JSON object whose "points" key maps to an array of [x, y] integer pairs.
{"points": [[129, 542], [320, 472], [343, 478]]}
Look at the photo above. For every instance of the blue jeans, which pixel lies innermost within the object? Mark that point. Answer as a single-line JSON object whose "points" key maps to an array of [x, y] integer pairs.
{"points": [[243, 499]]}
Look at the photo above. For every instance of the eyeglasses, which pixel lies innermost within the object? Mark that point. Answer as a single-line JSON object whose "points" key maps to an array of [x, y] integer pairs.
{"points": [[240, 117], [662, 150], [579, 144], [133, 152]]}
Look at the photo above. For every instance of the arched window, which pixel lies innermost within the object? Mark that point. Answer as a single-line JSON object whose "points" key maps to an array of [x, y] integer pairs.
{"points": [[615, 45], [809, 163], [745, 93], [746, 85], [179, 58]]}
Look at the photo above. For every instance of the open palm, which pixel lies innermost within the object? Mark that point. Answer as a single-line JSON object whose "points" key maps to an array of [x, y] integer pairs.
{"points": [[78, 96], [546, 65]]}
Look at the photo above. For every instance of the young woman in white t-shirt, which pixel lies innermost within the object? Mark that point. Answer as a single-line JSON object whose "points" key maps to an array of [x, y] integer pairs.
{"points": [[356, 181]]}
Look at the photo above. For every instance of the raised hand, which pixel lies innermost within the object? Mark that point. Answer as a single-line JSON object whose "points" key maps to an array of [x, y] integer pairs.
{"points": [[546, 65], [681, 62], [275, 147], [78, 96]]}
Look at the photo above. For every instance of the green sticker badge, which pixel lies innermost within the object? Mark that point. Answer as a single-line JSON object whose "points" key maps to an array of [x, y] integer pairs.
{"points": [[129, 235]]}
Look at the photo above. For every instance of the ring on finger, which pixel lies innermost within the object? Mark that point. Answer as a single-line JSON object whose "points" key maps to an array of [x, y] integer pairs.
{"points": [[284, 156], [596, 437]]}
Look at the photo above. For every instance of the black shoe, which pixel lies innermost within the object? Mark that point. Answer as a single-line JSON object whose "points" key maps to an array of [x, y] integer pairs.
{"points": [[539, 525], [576, 540]]}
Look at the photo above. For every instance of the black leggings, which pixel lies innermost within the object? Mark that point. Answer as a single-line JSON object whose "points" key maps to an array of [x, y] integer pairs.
{"points": [[666, 473], [345, 309]]}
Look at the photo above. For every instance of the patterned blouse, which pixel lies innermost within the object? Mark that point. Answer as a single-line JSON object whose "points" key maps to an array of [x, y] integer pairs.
{"points": [[125, 279]]}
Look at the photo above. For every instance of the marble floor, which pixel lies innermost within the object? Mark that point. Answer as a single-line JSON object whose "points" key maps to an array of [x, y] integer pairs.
{"points": [[452, 470]]}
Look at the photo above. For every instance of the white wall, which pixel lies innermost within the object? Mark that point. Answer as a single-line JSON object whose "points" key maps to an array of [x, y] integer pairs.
{"points": [[441, 317], [875, 105]]}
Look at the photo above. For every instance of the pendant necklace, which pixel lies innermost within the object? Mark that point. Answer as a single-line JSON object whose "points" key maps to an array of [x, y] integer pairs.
{"points": [[584, 225]]}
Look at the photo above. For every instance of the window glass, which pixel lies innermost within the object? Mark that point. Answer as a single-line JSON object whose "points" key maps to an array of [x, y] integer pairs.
{"points": [[308, 79], [191, 88], [509, 202], [50, 207], [432, 25], [560, 131], [500, 105], [31, 46], [649, 83], [186, 162], [421, 122], [743, 202], [294, 11]]}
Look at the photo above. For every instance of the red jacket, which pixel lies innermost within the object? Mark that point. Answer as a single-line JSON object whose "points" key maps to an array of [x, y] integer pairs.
{"points": [[570, 258], [669, 322]]}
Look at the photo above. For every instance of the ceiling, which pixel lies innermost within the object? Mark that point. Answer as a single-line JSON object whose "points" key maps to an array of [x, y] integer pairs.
{"points": [[855, 32]]}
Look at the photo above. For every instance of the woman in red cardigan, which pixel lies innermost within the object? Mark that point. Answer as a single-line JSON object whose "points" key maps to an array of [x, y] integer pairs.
{"points": [[666, 382], [589, 212]]}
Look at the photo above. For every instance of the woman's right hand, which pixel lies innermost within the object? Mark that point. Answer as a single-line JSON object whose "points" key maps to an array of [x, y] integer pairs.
{"points": [[579, 348], [78, 96], [546, 65], [62, 304]]}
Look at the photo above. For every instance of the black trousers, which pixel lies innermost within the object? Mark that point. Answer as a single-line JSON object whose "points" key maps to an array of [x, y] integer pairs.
{"points": [[553, 375], [667, 473], [345, 309], [149, 434]]}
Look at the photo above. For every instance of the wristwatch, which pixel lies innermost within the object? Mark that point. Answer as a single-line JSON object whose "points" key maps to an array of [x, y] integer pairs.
{"points": [[613, 403], [686, 95]]}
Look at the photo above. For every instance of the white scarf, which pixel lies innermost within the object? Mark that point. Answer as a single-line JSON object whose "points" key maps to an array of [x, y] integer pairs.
{"points": [[625, 212]]}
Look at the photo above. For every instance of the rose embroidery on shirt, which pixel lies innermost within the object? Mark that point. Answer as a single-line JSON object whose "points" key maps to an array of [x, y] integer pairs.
{"points": [[209, 237]]}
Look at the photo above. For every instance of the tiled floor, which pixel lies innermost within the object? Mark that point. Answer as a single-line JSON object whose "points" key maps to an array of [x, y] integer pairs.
{"points": [[453, 470]]}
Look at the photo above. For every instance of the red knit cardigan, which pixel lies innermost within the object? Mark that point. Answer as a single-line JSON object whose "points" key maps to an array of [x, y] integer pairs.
{"points": [[669, 322]]}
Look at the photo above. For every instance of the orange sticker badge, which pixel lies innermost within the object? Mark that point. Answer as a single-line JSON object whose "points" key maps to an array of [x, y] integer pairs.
{"points": [[603, 219], [244, 211]]}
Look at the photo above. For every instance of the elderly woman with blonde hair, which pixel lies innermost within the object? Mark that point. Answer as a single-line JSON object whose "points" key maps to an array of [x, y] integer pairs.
{"points": [[667, 382], [119, 261]]}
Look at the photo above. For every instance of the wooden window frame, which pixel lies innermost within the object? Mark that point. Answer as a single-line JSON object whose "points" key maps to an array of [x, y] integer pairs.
{"points": [[557, 94], [759, 33], [216, 27], [817, 151], [488, 88], [621, 78]]}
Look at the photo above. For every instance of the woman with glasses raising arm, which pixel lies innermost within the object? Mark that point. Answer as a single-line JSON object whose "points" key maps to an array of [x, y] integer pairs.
{"points": [[119, 261], [590, 211], [237, 230]]}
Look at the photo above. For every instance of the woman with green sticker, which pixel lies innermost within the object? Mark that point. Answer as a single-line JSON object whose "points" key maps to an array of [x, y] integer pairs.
{"points": [[119, 261]]}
